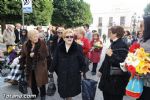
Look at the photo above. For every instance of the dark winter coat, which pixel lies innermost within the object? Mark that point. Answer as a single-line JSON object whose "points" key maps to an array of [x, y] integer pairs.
{"points": [[50, 44], [56, 42], [17, 34], [114, 84], [23, 39], [68, 67], [38, 63]]}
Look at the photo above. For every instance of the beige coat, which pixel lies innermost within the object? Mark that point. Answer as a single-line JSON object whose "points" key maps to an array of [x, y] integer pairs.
{"points": [[1, 38], [9, 37]]}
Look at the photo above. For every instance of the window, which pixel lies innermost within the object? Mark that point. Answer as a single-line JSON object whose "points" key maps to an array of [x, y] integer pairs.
{"points": [[110, 21], [122, 20], [100, 21]]}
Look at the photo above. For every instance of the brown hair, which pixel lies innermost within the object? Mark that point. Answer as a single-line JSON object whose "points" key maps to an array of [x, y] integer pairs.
{"points": [[118, 30], [95, 33]]}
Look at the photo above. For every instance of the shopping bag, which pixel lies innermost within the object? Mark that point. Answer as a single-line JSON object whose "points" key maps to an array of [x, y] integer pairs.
{"points": [[134, 87], [22, 84], [51, 86], [88, 89]]}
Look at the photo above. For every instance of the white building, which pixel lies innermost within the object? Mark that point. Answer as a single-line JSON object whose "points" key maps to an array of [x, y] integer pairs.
{"points": [[120, 12], [104, 20]]}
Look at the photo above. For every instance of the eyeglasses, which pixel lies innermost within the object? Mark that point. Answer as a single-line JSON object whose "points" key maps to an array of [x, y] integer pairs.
{"points": [[59, 32], [69, 37]]}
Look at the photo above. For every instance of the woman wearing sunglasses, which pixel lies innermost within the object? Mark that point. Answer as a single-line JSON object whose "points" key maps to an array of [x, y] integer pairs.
{"points": [[68, 63]]}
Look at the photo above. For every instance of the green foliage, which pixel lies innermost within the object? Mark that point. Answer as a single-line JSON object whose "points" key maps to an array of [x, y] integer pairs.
{"points": [[71, 13], [11, 12], [42, 11], [147, 10]]}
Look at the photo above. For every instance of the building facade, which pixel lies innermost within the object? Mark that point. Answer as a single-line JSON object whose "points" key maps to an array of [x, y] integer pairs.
{"points": [[103, 20]]}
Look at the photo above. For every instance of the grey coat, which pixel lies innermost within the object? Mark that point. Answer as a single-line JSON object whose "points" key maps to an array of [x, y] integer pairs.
{"points": [[146, 46]]}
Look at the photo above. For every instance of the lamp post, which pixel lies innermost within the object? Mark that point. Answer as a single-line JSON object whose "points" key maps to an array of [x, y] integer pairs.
{"points": [[134, 20], [135, 23]]}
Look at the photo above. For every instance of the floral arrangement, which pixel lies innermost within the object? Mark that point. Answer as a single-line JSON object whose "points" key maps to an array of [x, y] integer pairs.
{"points": [[98, 45], [137, 61], [11, 48]]}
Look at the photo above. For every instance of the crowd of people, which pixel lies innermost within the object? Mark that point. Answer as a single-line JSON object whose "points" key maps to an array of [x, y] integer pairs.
{"points": [[68, 53]]}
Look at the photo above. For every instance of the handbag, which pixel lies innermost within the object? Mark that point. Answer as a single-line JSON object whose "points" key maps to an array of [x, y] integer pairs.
{"points": [[134, 88], [23, 84], [51, 86], [116, 71]]}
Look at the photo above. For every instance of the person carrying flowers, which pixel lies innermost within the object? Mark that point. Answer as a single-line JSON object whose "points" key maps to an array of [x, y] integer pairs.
{"points": [[145, 44], [96, 50], [138, 60]]}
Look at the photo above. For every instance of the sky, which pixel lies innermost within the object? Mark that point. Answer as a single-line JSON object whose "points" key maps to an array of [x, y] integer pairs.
{"points": [[133, 5]]}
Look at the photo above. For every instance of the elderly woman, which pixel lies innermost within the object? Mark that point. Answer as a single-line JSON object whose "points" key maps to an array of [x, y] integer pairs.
{"points": [[9, 35], [145, 28], [68, 63], [114, 80], [34, 54], [85, 43], [1, 38]]}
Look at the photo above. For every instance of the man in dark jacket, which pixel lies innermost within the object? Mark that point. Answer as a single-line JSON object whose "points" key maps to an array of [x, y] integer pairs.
{"points": [[18, 33], [57, 38]]}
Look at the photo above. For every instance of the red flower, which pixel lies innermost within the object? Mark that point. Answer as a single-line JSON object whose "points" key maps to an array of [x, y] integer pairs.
{"points": [[133, 47], [131, 69]]}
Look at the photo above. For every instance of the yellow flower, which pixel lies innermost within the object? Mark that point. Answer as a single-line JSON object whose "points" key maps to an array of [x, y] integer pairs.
{"points": [[140, 60], [139, 67], [143, 68], [141, 53], [10, 48]]}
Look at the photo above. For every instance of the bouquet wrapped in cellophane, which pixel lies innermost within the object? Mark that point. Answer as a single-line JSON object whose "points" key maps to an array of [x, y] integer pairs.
{"points": [[98, 45], [137, 61]]}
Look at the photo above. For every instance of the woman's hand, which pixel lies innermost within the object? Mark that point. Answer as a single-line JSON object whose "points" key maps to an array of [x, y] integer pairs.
{"points": [[109, 52], [99, 74], [92, 49], [31, 54], [81, 73]]}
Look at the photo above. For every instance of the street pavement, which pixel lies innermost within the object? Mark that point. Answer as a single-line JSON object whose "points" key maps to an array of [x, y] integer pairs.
{"points": [[7, 89]]}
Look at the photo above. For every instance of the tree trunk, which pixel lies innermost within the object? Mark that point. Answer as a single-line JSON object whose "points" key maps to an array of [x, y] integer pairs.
{"points": [[3, 26]]}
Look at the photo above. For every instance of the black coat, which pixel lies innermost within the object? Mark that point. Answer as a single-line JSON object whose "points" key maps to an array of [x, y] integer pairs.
{"points": [[55, 42], [17, 33], [50, 44], [114, 84], [67, 67]]}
